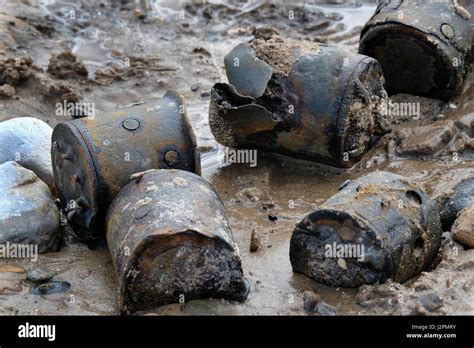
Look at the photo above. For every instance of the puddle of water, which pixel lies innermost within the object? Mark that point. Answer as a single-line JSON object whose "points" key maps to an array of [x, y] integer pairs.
{"points": [[354, 15]]}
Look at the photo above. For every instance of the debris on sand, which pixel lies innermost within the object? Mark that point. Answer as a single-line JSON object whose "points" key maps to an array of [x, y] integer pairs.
{"points": [[310, 301], [58, 91], [254, 242], [137, 67], [65, 66], [249, 196], [15, 70], [7, 91], [425, 140], [11, 268], [8, 287]]}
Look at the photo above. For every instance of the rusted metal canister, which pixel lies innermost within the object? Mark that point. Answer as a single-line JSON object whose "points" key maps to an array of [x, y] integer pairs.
{"points": [[300, 99], [170, 242], [93, 158], [451, 205], [424, 47], [377, 227]]}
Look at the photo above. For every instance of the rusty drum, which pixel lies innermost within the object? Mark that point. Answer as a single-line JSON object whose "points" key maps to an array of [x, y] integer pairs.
{"points": [[424, 47], [170, 241], [300, 99], [377, 227], [93, 158]]}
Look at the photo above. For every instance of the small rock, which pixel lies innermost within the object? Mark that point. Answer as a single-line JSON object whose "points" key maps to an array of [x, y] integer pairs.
{"points": [[463, 228], [254, 242], [28, 214], [248, 196], [272, 217], [65, 66], [322, 308], [27, 141], [202, 50], [205, 94], [38, 275], [268, 206], [311, 299], [431, 302], [14, 70], [342, 263], [7, 91], [466, 124], [195, 87], [426, 140]]}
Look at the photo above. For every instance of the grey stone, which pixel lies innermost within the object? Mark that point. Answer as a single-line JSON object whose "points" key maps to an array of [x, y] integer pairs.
{"points": [[425, 140], [27, 141], [38, 275], [466, 124], [28, 214], [463, 228], [431, 301], [322, 308], [311, 300]]}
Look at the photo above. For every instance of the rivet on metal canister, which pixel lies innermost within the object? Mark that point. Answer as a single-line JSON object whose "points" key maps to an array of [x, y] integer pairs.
{"points": [[131, 124], [172, 158], [447, 31]]}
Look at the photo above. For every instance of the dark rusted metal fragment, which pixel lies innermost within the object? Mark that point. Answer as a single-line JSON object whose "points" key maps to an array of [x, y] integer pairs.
{"points": [[385, 226], [93, 158], [461, 198], [424, 47], [257, 73], [170, 242], [321, 104]]}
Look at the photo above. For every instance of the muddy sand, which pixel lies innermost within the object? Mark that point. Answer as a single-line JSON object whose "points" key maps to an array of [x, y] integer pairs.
{"points": [[119, 53]]}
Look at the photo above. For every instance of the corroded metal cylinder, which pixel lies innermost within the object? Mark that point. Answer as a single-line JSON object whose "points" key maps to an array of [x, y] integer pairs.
{"points": [[377, 227], [461, 197], [93, 158], [170, 241], [424, 47], [300, 99]]}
